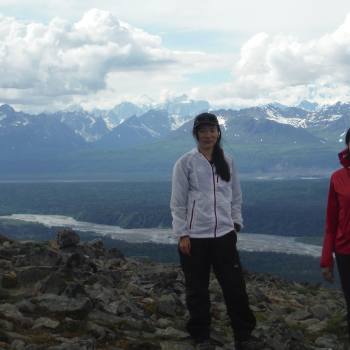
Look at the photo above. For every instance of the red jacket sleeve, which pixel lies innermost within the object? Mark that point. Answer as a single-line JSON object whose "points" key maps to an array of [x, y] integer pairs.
{"points": [[331, 227]]}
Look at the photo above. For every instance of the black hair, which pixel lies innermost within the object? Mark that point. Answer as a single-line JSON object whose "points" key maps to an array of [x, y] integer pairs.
{"points": [[347, 137], [221, 166]]}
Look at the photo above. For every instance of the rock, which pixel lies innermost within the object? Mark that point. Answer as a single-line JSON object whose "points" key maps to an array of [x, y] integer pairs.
{"points": [[319, 311], [136, 290], [67, 238], [11, 312], [116, 254], [6, 325], [163, 323], [55, 283], [31, 274], [99, 294], [326, 341], [317, 326], [97, 331], [18, 344], [71, 325], [114, 264], [4, 239], [44, 322], [74, 290], [168, 345], [59, 304], [4, 294], [77, 260], [124, 308], [299, 315], [84, 290], [4, 345], [167, 305], [9, 280], [75, 344], [171, 332], [25, 306], [5, 264]]}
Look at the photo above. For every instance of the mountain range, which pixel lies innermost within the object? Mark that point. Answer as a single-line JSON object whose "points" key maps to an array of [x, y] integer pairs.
{"points": [[142, 142]]}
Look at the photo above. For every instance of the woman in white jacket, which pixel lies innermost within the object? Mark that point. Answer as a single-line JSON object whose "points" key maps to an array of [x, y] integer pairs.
{"points": [[206, 209]]}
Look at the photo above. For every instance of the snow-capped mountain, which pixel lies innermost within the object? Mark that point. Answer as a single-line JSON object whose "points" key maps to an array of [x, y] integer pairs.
{"points": [[119, 113], [10, 118], [40, 136], [88, 126], [146, 128], [326, 122], [271, 137], [308, 106], [127, 123], [184, 106]]}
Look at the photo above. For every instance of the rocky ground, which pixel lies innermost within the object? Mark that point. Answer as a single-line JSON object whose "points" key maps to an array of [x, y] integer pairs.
{"points": [[67, 295]]}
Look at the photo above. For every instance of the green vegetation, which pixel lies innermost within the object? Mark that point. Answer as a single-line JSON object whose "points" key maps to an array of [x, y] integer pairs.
{"points": [[315, 240], [337, 325], [286, 207]]}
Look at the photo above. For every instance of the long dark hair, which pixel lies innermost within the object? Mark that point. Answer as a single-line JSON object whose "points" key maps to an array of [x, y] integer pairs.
{"points": [[347, 137], [218, 157]]}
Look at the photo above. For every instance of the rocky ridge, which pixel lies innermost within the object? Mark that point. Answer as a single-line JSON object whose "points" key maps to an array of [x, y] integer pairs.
{"points": [[67, 295]]}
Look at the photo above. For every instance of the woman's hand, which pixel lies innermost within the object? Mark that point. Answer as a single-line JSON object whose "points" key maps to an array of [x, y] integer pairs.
{"points": [[327, 273], [237, 227], [185, 245]]}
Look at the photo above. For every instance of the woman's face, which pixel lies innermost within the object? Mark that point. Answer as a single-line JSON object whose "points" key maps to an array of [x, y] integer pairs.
{"points": [[207, 136]]}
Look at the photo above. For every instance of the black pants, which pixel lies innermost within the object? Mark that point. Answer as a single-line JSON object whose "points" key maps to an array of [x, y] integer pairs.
{"points": [[221, 254], [343, 263]]}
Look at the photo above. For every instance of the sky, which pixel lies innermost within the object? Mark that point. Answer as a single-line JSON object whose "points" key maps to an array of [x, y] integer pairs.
{"points": [[231, 53]]}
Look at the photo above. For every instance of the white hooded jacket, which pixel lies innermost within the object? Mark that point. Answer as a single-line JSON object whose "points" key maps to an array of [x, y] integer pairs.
{"points": [[202, 204]]}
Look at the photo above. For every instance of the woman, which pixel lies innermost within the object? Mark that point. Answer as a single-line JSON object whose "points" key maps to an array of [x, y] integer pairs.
{"points": [[206, 210], [337, 233]]}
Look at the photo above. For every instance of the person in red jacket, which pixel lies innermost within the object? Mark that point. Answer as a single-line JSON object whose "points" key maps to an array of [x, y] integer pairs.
{"points": [[337, 232]]}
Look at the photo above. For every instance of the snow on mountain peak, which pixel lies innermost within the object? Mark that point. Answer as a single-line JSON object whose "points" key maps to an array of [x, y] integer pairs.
{"points": [[295, 122], [177, 120], [222, 122]]}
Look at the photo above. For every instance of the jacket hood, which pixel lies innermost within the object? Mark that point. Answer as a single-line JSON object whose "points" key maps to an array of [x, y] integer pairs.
{"points": [[344, 158]]}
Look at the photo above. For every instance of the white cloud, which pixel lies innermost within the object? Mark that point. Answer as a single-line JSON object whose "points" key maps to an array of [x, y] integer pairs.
{"points": [[60, 58], [48, 64], [304, 17], [285, 69], [99, 60]]}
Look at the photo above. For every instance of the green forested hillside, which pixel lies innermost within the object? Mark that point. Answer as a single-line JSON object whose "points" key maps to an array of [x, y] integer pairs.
{"points": [[286, 207]]}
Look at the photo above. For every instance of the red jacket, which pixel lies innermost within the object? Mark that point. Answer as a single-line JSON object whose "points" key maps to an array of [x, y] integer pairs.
{"points": [[337, 231]]}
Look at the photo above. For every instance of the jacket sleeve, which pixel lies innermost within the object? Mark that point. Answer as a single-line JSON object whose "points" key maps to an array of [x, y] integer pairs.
{"points": [[179, 195], [236, 204], [331, 227]]}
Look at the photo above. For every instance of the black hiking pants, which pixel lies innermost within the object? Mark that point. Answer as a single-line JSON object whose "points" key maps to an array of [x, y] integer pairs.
{"points": [[343, 264], [221, 254]]}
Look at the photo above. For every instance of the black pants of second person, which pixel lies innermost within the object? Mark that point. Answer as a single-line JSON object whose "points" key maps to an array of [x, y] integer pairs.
{"points": [[343, 264], [221, 254]]}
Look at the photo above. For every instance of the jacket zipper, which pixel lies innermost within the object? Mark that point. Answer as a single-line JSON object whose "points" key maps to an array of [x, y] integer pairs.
{"points": [[216, 218], [194, 202]]}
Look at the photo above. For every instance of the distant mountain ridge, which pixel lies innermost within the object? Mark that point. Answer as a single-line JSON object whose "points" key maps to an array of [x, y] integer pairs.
{"points": [[276, 137]]}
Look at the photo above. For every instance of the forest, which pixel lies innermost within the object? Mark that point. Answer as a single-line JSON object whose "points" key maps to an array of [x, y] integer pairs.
{"points": [[282, 207]]}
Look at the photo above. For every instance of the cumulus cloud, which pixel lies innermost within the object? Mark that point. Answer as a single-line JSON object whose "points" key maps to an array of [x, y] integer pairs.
{"points": [[285, 68], [54, 63], [100, 60], [60, 58]]}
